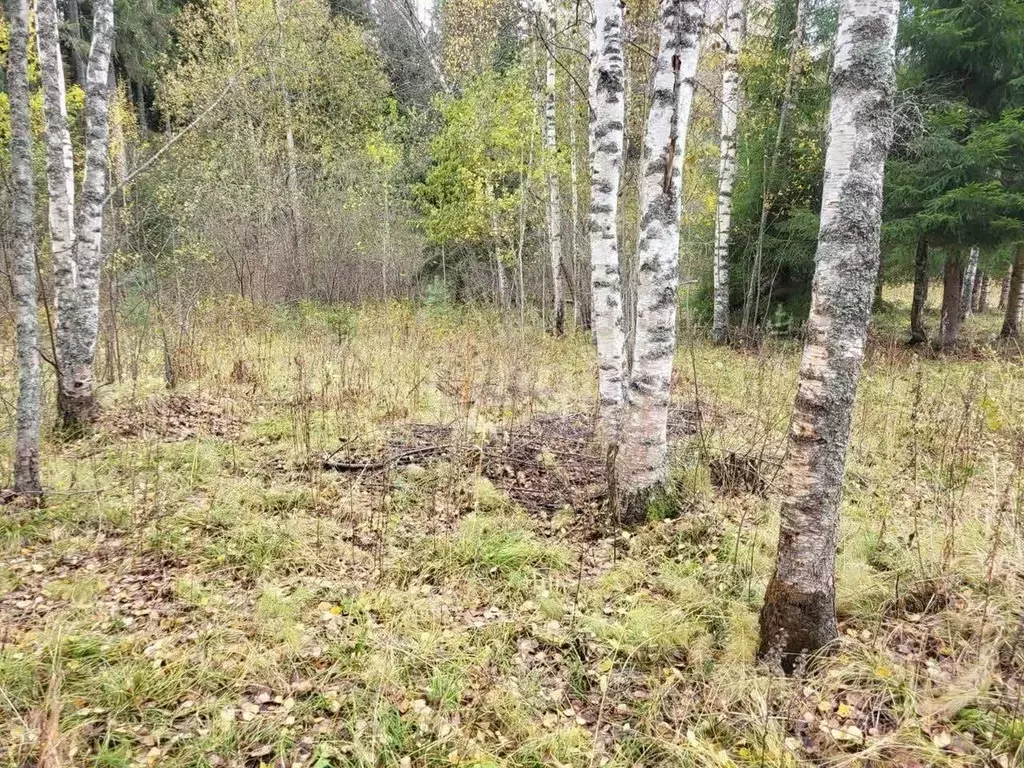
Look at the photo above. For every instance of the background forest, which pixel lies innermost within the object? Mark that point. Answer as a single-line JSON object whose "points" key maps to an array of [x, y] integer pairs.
{"points": [[385, 413], [330, 153]]}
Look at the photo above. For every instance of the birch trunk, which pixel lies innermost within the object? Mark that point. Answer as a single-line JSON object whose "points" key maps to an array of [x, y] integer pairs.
{"points": [[799, 609], [726, 169], [918, 333], [1014, 298], [292, 178], [23, 267], [554, 200], [952, 294], [643, 449], [578, 308], [607, 127], [981, 292], [76, 269], [970, 273], [1004, 290], [60, 177]]}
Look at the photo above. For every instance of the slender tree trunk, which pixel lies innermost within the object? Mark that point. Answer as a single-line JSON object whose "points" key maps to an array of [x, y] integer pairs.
{"points": [[726, 168], [981, 293], [578, 309], [75, 24], [385, 244], [643, 449], [952, 293], [140, 105], [918, 333], [23, 267], [607, 129], [970, 273], [1014, 298], [60, 178], [796, 44], [77, 241], [292, 174], [554, 199], [799, 609], [1004, 289]]}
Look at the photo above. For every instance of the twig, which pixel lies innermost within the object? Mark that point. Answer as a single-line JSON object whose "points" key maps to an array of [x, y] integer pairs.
{"points": [[171, 141], [343, 466]]}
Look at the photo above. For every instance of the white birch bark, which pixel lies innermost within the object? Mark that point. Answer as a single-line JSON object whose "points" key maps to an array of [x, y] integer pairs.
{"points": [[799, 608], [726, 168], [77, 239], [554, 199], [23, 266], [966, 298], [1014, 302], [644, 445], [607, 128], [574, 215], [60, 176]]}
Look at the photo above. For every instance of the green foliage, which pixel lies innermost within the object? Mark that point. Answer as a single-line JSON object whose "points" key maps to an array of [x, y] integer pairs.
{"points": [[792, 194], [955, 175], [472, 194]]}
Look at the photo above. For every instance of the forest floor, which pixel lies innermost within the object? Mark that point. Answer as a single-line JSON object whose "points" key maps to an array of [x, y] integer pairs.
{"points": [[200, 590]]}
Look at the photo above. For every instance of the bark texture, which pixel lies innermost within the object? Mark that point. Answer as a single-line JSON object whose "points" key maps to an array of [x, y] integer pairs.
{"points": [[607, 125], [23, 263], [644, 445], [1014, 298], [554, 198], [952, 294], [970, 273], [726, 168], [1004, 290], [799, 609], [77, 240], [918, 332], [60, 179], [981, 293]]}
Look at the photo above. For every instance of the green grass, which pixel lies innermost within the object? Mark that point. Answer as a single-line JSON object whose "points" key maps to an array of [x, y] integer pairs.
{"points": [[221, 600]]}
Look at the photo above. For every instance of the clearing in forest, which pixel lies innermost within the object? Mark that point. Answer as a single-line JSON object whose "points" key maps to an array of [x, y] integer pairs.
{"points": [[386, 547]]}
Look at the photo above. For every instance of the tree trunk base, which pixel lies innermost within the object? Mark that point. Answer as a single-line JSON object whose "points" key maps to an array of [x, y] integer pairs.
{"points": [[75, 413], [26, 476], [795, 624], [635, 507]]}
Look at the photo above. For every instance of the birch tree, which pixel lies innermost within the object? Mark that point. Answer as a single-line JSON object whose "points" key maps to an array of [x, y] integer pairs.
{"points": [[1014, 297], [23, 267], [726, 168], [644, 443], [76, 233], [799, 608], [970, 273], [554, 213], [607, 128]]}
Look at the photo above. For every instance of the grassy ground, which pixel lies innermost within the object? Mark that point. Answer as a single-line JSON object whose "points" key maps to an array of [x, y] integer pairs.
{"points": [[198, 591]]}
